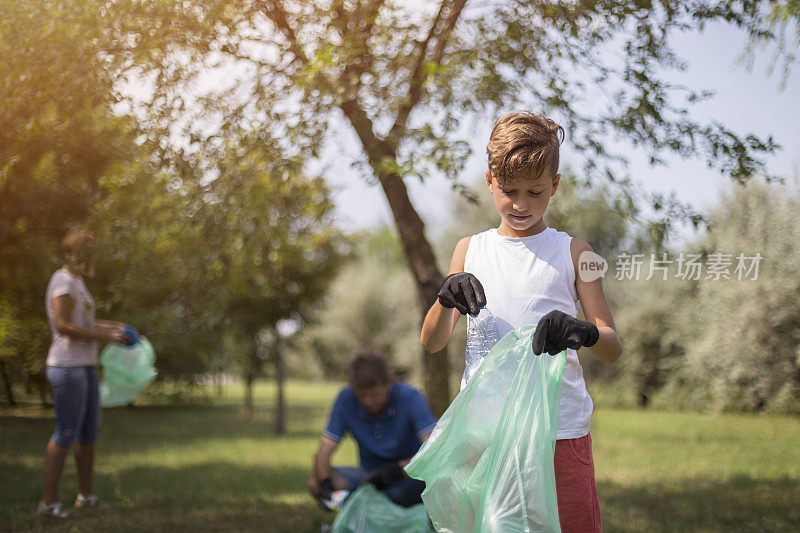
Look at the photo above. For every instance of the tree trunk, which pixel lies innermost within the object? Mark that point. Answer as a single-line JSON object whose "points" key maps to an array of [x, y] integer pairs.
{"points": [[437, 378], [248, 408], [649, 373], [418, 251], [428, 279], [39, 380], [43, 395], [280, 406], [7, 383]]}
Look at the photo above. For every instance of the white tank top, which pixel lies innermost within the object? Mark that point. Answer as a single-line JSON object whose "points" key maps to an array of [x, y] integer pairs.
{"points": [[525, 278]]}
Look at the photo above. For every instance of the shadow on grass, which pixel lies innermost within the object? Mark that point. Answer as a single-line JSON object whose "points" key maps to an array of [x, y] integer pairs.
{"points": [[179, 425], [268, 517], [212, 495], [218, 496], [223, 496], [739, 503]]}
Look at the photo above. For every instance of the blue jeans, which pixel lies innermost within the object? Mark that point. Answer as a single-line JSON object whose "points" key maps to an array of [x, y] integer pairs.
{"points": [[76, 397], [405, 492]]}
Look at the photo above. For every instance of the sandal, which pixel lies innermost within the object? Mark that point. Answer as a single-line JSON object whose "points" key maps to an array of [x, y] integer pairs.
{"points": [[55, 509], [91, 502]]}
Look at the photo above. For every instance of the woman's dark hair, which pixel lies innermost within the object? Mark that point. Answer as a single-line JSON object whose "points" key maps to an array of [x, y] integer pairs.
{"points": [[74, 241]]}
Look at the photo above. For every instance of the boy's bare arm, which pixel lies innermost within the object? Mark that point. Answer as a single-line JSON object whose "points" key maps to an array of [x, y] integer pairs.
{"points": [[595, 309], [441, 321], [322, 469], [322, 461]]}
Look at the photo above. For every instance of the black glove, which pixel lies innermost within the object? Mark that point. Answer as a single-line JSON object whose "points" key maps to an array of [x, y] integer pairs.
{"points": [[558, 331], [463, 291], [325, 493], [384, 476]]}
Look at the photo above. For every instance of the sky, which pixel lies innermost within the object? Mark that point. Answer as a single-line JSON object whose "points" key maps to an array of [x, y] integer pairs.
{"points": [[745, 101]]}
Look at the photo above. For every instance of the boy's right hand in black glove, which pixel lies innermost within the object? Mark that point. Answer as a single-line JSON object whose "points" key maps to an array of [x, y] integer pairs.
{"points": [[464, 292], [325, 493]]}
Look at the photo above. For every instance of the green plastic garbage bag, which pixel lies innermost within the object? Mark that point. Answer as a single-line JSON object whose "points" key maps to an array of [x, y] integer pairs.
{"points": [[127, 371], [488, 464], [368, 510]]}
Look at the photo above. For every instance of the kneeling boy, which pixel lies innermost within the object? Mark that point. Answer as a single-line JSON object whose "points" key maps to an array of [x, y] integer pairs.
{"points": [[389, 421]]}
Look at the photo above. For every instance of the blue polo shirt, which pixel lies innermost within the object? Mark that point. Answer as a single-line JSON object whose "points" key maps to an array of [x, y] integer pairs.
{"points": [[392, 436]]}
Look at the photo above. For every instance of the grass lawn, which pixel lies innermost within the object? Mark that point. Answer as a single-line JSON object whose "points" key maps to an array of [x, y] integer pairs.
{"points": [[204, 468]]}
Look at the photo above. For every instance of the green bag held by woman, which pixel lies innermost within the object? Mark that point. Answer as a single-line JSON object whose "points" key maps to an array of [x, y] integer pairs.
{"points": [[488, 464], [127, 371]]}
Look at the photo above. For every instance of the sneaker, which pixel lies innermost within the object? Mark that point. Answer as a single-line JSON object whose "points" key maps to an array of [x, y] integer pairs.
{"points": [[91, 502], [55, 509]]}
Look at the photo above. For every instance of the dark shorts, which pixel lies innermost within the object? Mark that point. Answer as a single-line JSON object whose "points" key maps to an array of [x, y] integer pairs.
{"points": [[76, 397], [578, 505], [405, 492]]}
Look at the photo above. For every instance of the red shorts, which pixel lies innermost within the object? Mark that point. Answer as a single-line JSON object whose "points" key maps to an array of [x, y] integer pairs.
{"points": [[578, 505]]}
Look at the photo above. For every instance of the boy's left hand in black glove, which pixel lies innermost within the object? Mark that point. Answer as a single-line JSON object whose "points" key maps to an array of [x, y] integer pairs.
{"points": [[558, 331], [384, 476]]}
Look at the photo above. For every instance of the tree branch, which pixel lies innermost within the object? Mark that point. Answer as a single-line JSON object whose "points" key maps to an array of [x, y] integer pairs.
{"points": [[364, 129], [449, 25], [275, 12], [370, 15], [362, 57], [417, 80]]}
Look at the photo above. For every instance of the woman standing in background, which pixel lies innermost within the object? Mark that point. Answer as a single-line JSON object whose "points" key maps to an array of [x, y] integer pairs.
{"points": [[71, 363]]}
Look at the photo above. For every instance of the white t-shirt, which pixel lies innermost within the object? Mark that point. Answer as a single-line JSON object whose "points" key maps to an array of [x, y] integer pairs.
{"points": [[525, 278], [64, 350]]}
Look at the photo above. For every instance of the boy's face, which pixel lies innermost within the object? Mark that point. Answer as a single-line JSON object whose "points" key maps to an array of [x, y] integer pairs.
{"points": [[522, 202], [374, 399]]}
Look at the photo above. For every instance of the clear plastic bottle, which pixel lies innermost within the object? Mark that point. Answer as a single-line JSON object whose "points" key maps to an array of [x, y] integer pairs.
{"points": [[482, 335]]}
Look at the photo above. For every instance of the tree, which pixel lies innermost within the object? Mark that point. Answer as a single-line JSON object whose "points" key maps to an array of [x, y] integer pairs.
{"points": [[58, 136], [211, 256], [230, 214], [150, 263], [404, 78], [781, 28], [649, 315], [268, 243], [57, 132], [8, 328], [741, 332], [370, 305]]}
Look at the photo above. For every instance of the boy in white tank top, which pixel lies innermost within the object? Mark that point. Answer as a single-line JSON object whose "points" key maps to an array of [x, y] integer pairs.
{"points": [[524, 273]]}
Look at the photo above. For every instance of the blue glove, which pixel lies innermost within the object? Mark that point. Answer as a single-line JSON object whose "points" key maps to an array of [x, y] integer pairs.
{"points": [[132, 334]]}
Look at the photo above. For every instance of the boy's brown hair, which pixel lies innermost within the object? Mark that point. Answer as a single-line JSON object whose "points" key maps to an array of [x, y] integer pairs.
{"points": [[523, 144], [368, 369]]}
